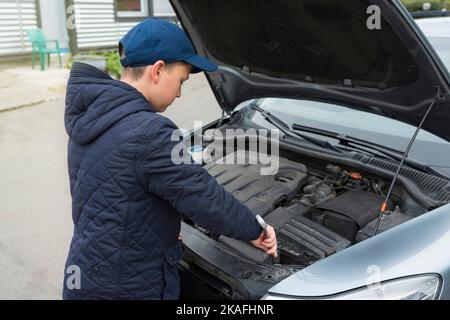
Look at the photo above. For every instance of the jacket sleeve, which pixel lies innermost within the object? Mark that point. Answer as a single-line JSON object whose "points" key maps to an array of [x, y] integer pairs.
{"points": [[189, 188]]}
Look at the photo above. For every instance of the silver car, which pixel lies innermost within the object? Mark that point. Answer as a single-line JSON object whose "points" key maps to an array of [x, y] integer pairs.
{"points": [[437, 30], [341, 86]]}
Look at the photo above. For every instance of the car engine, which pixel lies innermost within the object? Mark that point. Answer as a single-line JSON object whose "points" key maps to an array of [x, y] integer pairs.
{"points": [[315, 214]]}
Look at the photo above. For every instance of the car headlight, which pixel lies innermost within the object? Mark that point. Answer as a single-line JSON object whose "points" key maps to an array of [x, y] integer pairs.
{"points": [[410, 288]]}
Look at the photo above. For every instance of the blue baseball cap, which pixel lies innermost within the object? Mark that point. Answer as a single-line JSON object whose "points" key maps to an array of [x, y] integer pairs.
{"points": [[157, 39]]}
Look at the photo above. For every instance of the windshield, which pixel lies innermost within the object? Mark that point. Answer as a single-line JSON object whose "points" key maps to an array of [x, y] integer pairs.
{"points": [[384, 131]]}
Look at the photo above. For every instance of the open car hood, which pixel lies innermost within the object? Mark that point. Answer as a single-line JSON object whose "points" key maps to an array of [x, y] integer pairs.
{"points": [[321, 50]]}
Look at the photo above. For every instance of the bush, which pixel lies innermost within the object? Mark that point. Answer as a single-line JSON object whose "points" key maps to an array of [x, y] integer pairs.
{"points": [[416, 5], [113, 66]]}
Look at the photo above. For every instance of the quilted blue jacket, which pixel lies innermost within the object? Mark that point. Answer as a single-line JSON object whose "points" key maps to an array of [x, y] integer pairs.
{"points": [[128, 197]]}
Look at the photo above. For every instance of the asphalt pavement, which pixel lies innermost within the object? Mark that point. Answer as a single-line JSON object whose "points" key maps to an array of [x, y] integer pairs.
{"points": [[35, 204]]}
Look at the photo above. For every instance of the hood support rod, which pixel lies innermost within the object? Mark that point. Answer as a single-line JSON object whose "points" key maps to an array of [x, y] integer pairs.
{"points": [[405, 155]]}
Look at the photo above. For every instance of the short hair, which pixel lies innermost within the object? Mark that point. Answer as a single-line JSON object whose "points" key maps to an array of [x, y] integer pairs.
{"points": [[134, 73]]}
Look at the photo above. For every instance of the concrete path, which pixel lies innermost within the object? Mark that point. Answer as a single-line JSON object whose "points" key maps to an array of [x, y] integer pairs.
{"points": [[23, 87]]}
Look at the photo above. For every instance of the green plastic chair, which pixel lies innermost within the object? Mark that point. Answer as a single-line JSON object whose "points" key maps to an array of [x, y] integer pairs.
{"points": [[39, 47]]}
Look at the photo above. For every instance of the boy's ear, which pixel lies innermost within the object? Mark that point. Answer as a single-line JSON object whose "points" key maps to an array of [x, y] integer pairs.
{"points": [[156, 69]]}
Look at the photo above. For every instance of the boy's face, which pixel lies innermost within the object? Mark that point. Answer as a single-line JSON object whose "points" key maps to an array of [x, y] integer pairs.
{"points": [[170, 78]]}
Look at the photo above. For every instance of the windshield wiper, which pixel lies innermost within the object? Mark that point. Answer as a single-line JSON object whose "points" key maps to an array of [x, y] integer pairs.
{"points": [[368, 146], [287, 130], [345, 139]]}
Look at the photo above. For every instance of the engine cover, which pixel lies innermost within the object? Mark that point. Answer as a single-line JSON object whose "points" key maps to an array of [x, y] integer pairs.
{"points": [[301, 240], [260, 193]]}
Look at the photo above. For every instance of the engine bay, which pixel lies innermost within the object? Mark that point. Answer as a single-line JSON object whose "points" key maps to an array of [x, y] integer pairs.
{"points": [[318, 203], [315, 213]]}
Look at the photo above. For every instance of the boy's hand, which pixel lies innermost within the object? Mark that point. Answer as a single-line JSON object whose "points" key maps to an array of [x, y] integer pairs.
{"points": [[267, 241]]}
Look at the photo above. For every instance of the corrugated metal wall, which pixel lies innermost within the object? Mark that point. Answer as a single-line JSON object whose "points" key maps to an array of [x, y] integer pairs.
{"points": [[15, 17], [95, 24]]}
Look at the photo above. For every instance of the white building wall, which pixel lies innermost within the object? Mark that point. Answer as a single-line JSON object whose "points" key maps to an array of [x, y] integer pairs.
{"points": [[162, 8], [53, 20]]}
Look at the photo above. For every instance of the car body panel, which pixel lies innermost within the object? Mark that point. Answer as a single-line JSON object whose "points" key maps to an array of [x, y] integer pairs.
{"points": [[435, 27], [437, 31], [420, 246], [304, 49]]}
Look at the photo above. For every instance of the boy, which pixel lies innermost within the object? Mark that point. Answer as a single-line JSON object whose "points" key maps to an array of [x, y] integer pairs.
{"points": [[128, 196]]}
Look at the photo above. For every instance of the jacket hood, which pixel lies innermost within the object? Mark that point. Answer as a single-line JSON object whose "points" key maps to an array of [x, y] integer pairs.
{"points": [[363, 54], [95, 102]]}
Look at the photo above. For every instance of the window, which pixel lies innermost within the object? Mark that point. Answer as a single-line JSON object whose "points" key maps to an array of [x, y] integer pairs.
{"points": [[132, 8]]}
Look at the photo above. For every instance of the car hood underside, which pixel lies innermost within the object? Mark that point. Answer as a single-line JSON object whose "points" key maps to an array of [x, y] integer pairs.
{"points": [[365, 54]]}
